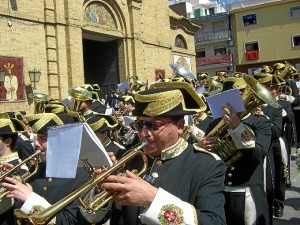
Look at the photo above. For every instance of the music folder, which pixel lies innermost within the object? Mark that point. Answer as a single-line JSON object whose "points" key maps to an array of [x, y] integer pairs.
{"points": [[218, 101], [69, 146]]}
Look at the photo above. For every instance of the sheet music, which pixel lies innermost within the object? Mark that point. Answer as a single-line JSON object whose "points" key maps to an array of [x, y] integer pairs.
{"points": [[69, 143]]}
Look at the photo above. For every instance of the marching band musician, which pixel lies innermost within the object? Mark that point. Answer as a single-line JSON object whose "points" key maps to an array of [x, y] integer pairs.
{"points": [[196, 197], [245, 198], [275, 154], [101, 125], [9, 129], [44, 191]]}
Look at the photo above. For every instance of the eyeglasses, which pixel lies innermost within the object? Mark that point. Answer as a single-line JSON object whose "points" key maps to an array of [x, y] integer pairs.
{"points": [[151, 125]]}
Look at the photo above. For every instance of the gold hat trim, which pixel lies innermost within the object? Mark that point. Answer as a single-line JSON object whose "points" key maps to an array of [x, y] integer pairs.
{"points": [[127, 98], [56, 108], [4, 115], [42, 120], [7, 122], [186, 87], [161, 102], [100, 123]]}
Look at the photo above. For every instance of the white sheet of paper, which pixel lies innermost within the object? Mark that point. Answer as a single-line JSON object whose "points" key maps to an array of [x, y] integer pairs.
{"points": [[298, 84], [63, 150], [218, 101], [68, 144], [92, 149], [127, 120]]}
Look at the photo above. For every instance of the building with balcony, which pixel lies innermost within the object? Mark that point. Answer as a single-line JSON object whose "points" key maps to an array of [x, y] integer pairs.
{"points": [[265, 32], [213, 42]]}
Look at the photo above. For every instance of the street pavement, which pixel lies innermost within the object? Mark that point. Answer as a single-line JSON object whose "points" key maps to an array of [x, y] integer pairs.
{"points": [[291, 214]]}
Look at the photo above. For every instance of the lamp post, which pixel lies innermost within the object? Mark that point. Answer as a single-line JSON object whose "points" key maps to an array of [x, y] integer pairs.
{"points": [[34, 76]]}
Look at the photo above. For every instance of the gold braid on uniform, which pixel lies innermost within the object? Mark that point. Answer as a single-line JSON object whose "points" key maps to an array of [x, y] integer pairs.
{"points": [[42, 120], [161, 102]]}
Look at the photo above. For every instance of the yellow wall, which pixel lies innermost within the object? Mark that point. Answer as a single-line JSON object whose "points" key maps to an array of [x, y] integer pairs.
{"points": [[273, 31]]}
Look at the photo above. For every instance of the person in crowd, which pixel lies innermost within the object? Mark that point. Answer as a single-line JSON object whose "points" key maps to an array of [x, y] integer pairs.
{"points": [[275, 153], [196, 197], [9, 129], [23, 145], [41, 191], [248, 137], [102, 125], [222, 75]]}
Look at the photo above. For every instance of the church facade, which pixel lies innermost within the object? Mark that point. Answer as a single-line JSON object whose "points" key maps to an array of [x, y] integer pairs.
{"points": [[70, 43]]}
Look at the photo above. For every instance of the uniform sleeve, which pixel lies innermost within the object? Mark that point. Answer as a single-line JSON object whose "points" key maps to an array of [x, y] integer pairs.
{"points": [[277, 124], [207, 210], [243, 136]]}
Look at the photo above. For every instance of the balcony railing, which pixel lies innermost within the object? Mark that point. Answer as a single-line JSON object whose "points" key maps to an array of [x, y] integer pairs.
{"points": [[212, 36], [219, 59]]}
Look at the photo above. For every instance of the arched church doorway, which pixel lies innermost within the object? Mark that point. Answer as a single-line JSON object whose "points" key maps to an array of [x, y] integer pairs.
{"points": [[100, 57]]}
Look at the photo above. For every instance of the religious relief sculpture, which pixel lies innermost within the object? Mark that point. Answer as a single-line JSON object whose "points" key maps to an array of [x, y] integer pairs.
{"points": [[10, 83]]}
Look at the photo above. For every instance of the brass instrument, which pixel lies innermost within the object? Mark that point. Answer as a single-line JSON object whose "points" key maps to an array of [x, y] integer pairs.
{"points": [[285, 89], [288, 71], [137, 85], [253, 96], [79, 95], [44, 216], [39, 100], [13, 171]]}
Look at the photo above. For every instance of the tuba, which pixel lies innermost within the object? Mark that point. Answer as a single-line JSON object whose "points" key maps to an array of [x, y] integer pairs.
{"points": [[43, 217], [253, 96], [288, 71], [13, 171], [40, 101]]}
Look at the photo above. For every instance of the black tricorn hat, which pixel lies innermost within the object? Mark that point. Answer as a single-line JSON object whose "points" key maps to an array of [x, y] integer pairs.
{"points": [[11, 126], [271, 80], [16, 115], [128, 98], [42, 121], [102, 122], [168, 99]]}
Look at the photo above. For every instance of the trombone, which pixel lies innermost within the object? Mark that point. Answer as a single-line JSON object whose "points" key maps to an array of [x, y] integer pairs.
{"points": [[13, 171], [44, 216]]}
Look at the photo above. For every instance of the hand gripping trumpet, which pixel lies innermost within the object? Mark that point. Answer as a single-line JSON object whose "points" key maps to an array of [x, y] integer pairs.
{"points": [[44, 216], [13, 171]]}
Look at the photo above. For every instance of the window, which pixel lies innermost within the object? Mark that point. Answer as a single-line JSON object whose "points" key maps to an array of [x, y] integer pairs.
{"points": [[295, 12], [251, 46], [197, 13], [200, 53], [252, 50], [211, 11], [296, 40], [249, 19], [220, 50], [180, 42]]}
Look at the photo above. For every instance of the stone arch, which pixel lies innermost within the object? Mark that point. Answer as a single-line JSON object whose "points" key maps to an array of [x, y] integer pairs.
{"points": [[180, 42], [112, 16]]}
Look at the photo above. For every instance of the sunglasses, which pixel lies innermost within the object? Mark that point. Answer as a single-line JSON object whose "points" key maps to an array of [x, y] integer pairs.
{"points": [[151, 125]]}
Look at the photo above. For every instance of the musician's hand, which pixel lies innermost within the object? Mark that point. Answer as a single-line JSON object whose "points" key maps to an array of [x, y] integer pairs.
{"points": [[230, 117], [132, 190], [17, 189], [208, 143], [5, 167]]}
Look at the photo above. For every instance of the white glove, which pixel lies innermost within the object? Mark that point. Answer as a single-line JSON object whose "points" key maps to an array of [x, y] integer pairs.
{"points": [[284, 114]]}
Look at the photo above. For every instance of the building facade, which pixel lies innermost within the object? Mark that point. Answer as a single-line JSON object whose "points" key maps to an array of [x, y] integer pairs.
{"points": [[70, 43], [213, 42], [265, 32]]}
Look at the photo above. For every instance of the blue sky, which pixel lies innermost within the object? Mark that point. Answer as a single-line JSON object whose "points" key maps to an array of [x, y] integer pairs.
{"points": [[228, 1]]}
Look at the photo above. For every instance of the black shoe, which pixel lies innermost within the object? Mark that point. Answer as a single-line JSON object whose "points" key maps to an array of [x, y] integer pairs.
{"points": [[278, 212], [288, 183]]}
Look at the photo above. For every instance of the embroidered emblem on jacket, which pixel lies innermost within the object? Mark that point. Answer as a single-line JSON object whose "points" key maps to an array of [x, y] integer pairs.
{"points": [[170, 214]]}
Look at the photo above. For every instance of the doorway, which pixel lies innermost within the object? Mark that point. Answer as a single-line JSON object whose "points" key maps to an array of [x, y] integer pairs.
{"points": [[101, 64]]}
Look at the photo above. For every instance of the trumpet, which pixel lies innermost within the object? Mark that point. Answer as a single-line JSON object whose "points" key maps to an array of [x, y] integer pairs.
{"points": [[13, 171], [44, 216]]}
